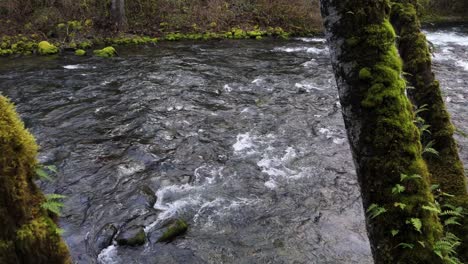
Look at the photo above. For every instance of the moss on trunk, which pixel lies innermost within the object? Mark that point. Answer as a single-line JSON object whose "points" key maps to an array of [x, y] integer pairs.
{"points": [[383, 138], [28, 233], [446, 168]]}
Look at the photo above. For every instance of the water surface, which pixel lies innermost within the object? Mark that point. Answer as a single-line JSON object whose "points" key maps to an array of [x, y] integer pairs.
{"points": [[243, 139]]}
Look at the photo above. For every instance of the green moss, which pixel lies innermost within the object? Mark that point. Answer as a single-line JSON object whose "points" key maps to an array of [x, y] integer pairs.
{"points": [[85, 44], [80, 52], [365, 74], [106, 52], [239, 33], [388, 144], [28, 234], [446, 169], [138, 239], [176, 229], [45, 48]]}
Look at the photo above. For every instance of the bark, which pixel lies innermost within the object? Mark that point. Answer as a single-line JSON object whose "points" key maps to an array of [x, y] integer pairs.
{"points": [[446, 168], [383, 138], [118, 16], [27, 234]]}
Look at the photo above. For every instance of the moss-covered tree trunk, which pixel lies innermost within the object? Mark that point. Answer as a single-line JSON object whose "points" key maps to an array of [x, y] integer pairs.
{"points": [[27, 233], [384, 141], [446, 168]]}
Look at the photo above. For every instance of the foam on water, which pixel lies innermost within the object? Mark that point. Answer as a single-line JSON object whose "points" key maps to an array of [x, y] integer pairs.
{"points": [[442, 38], [312, 50], [244, 142], [308, 86], [313, 40], [74, 67], [445, 53], [108, 256]]}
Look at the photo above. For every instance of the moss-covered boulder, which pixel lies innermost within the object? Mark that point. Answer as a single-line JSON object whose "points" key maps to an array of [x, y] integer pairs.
{"points": [[80, 52], [106, 52], [174, 230], [132, 236], [28, 233], [45, 48]]}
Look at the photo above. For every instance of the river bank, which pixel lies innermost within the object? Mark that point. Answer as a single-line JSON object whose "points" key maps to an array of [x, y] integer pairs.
{"points": [[75, 40]]}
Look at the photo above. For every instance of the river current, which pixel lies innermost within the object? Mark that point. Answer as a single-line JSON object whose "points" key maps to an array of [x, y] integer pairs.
{"points": [[242, 139]]}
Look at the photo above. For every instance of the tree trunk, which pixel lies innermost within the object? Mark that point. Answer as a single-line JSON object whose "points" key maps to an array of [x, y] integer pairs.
{"points": [[446, 168], [383, 138], [27, 233], [118, 17]]}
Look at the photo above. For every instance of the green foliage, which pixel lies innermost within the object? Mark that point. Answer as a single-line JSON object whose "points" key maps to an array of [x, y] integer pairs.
{"points": [[398, 189], [416, 222], [405, 177], [445, 248], [45, 172], [375, 210], [53, 203], [428, 148]]}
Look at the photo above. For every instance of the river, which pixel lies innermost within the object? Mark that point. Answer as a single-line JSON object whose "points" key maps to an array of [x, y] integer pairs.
{"points": [[242, 139]]}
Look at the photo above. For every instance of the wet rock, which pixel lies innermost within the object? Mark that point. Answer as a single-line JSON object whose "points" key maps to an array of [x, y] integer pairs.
{"points": [[104, 236], [132, 236], [174, 230], [148, 195]]}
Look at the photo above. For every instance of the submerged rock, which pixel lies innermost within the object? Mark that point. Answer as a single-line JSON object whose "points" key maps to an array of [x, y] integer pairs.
{"points": [[174, 230], [106, 52], [45, 48], [133, 236], [104, 236]]}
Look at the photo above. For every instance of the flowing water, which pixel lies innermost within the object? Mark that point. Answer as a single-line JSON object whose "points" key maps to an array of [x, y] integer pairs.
{"points": [[243, 139]]}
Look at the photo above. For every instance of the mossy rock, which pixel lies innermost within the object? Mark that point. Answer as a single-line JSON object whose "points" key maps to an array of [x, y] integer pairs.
{"points": [[45, 48], [176, 229], [106, 52], [80, 52], [133, 236]]}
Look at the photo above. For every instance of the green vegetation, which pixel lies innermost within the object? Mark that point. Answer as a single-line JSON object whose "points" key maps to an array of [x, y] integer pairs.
{"points": [[80, 52], [432, 117], [106, 52], [45, 48], [29, 233], [86, 23]]}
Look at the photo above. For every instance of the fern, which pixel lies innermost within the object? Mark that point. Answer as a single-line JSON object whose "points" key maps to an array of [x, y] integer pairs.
{"points": [[424, 128], [406, 245], [429, 149], [53, 203], [45, 172], [397, 189], [416, 223], [451, 221], [401, 205], [420, 109], [404, 177], [431, 208], [375, 210]]}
